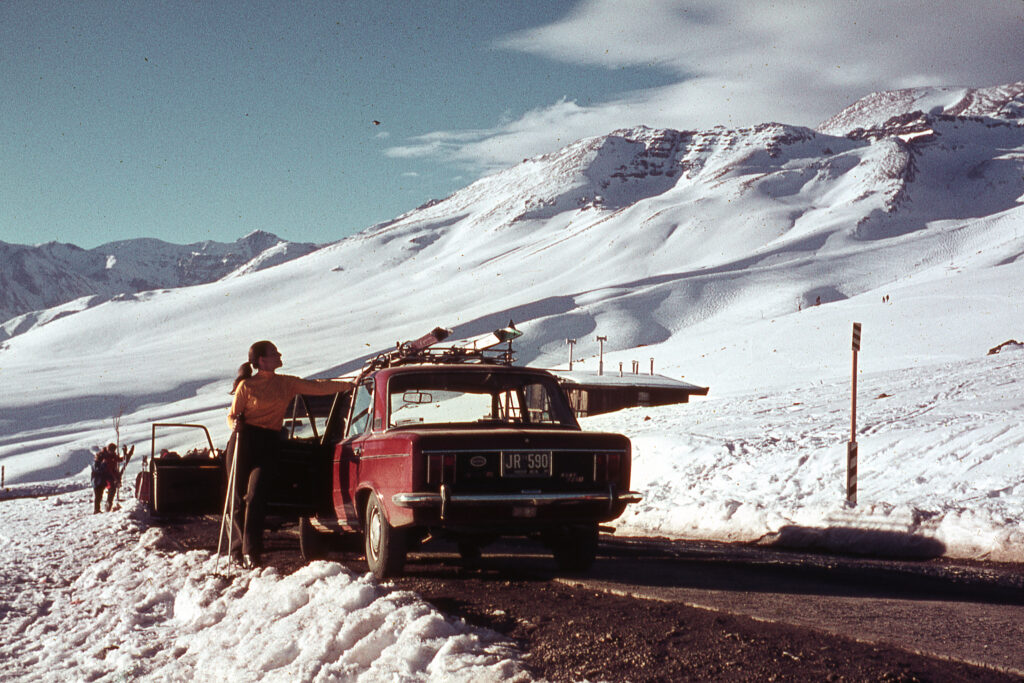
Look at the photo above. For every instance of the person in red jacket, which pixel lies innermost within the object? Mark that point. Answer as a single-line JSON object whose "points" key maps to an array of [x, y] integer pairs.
{"points": [[257, 414], [104, 476]]}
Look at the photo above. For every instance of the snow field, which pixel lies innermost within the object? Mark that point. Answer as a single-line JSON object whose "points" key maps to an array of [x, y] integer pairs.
{"points": [[939, 461]]}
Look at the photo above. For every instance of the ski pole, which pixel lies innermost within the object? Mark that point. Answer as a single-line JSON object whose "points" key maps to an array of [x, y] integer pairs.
{"points": [[228, 514]]}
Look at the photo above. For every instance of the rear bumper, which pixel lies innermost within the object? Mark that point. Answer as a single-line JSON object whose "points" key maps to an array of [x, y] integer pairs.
{"points": [[445, 500]]}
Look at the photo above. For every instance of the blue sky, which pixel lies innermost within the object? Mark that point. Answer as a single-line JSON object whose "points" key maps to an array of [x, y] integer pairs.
{"points": [[189, 121]]}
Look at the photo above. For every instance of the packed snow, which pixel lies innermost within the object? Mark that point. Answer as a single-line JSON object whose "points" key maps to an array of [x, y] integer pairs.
{"points": [[743, 271], [97, 597]]}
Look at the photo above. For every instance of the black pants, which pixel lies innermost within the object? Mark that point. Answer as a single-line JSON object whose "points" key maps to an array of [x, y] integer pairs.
{"points": [[258, 451], [98, 496]]}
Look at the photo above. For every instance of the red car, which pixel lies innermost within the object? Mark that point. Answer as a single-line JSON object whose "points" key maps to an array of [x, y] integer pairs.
{"points": [[450, 443]]}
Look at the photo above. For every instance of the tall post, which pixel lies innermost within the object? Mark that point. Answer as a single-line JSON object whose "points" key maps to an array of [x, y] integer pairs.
{"points": [[600, 360], [851, 447], [572, 344]]}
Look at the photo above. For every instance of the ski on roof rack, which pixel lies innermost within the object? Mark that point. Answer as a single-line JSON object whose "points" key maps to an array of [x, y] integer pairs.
{"points": [[426, 349]]}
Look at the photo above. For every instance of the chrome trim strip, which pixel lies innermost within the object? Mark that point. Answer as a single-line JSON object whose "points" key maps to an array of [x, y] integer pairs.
{"points": [[383, 456], [524, 449], [445, 499]]}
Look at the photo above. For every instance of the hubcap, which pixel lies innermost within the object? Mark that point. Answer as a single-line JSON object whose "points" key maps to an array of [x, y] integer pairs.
{"points": [[375, 533]]}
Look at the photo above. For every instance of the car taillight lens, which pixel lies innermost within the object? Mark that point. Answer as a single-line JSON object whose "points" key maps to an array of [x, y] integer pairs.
{"points": [[441, 468], [606, 466], [614, 462], [433, 469]]}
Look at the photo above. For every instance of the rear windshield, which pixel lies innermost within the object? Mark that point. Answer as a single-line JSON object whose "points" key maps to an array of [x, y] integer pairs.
{"points": [[445, 398]]}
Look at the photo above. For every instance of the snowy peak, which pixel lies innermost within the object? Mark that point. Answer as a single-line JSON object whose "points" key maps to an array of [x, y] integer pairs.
{"points": [[34, 278], [872, 111], [608, 173]]}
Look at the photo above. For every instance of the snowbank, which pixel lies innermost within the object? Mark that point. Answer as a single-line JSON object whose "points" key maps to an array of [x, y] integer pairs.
{"points": [[97, 597]]}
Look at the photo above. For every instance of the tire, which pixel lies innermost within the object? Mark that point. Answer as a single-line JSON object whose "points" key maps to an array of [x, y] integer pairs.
{"points": [[385, 545], [470, 552], [312, 543], [575, 548]]}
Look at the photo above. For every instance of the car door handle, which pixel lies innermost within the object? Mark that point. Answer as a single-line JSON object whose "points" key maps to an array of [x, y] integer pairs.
{"points": [[357, 451]]}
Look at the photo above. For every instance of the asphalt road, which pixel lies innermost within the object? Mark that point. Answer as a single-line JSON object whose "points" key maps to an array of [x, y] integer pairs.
{"points": [[958, 611]]}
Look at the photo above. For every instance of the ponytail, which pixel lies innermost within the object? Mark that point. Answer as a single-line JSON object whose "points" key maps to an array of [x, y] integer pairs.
{"points": [[244, 372]]}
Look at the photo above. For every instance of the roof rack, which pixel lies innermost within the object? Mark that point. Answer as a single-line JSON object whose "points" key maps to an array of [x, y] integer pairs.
{"points": [[426, 349]]}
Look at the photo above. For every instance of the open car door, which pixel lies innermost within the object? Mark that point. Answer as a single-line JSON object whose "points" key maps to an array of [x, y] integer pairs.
{"points": [[302, 485]]}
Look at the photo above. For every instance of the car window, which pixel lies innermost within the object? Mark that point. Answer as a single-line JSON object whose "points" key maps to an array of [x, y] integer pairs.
{"points": [[447, 398], [362, 409], [307, 417]]}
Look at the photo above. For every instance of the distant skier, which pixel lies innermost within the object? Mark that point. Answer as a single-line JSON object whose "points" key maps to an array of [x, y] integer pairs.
{"points": [[256, 416], [105, 476]]}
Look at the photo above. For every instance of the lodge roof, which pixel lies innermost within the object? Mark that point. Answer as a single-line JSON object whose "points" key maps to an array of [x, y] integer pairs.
{"points": [[614, 379]]}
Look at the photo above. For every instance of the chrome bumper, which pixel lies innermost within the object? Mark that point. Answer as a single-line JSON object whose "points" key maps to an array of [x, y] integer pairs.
{"points": [[445, 498]]}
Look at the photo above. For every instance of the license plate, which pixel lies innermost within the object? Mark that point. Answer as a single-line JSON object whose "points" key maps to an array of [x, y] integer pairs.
{"points": [[526, 464]]}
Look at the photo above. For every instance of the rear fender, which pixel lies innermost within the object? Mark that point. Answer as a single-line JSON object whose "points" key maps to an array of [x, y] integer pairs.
{"points": [[396, 516]]}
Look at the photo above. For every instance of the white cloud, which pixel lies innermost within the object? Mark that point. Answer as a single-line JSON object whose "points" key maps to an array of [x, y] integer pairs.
{"points": [[741, 63]]}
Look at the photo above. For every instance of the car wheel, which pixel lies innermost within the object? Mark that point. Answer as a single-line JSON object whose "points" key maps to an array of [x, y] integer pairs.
{"points": [[385, 545], [575, 547], [312, 543]]}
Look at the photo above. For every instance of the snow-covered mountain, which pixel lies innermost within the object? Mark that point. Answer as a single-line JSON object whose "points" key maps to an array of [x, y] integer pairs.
{"points": [[656, 238], [68, 278]]}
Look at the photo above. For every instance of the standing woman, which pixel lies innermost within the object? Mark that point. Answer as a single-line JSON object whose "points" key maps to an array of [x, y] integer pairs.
{"points": [[256, 416]]}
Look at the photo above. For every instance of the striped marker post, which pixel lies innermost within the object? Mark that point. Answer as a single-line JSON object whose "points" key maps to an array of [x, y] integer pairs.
{"points": [[851, 447]]}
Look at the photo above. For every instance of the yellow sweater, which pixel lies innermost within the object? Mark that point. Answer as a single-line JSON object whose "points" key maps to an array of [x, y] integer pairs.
{"points": [[263, 399]]}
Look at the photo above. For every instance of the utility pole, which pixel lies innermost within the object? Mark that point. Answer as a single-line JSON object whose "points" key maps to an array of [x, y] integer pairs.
{"points": [[600, 361], [572, 344]]}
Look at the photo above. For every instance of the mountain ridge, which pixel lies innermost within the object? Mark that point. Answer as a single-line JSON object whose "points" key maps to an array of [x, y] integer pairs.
{"points": [[40, 277]]}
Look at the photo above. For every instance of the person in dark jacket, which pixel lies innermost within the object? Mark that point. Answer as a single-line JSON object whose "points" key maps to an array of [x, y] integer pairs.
{"points": [[104, 476]]}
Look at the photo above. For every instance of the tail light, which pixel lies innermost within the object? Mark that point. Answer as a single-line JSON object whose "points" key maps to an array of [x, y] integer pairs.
{"points": [[441, 468], [614, 463], [606, 466]]}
